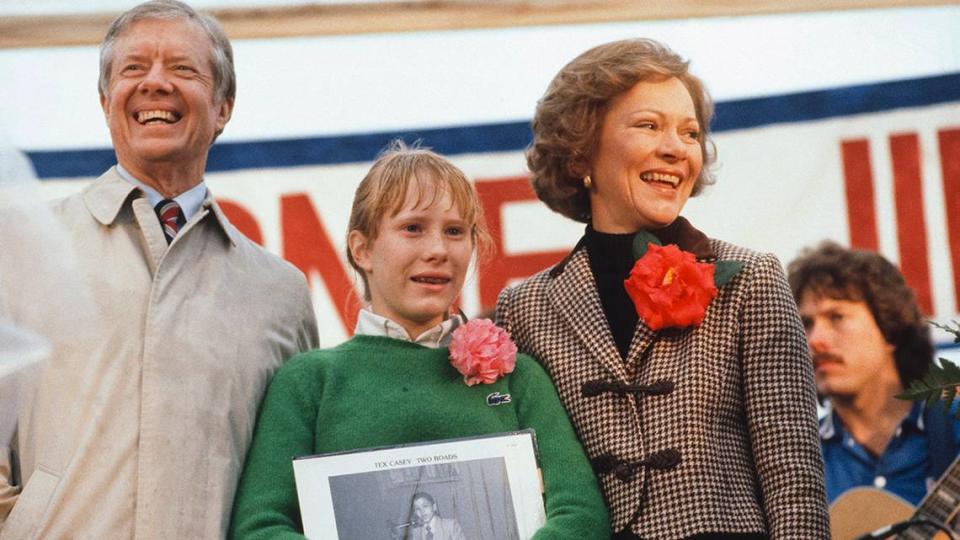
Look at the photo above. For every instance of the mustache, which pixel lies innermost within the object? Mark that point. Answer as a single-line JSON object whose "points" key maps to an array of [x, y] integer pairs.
{"points": [[826, 357]]}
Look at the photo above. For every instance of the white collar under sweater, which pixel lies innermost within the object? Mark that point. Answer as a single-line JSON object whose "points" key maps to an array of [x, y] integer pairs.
{"points": [[371, 324]]}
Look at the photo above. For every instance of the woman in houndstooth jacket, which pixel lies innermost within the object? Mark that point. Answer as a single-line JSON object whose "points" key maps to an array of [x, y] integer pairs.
{"points": [[705, 430]]}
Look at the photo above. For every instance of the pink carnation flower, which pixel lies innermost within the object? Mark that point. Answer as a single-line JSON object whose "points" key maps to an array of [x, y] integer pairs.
{"points": [[482, 351]]}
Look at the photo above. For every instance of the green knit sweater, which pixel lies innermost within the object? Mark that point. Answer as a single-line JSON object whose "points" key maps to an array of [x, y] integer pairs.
{"points": [[375, 391]]}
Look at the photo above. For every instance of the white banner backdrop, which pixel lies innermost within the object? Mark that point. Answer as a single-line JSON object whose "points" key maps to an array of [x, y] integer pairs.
{"points": [[780, 188], [813, 110]]}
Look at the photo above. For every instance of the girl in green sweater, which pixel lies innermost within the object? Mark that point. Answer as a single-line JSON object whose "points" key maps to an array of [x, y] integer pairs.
{"points": [[413, 371]]}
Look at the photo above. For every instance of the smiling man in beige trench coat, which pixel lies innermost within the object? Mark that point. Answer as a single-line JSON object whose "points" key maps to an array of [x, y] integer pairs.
{"points": [[143, 433]]}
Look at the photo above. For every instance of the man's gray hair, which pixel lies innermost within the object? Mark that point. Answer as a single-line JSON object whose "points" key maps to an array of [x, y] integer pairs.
{"points": [[221, 55]]}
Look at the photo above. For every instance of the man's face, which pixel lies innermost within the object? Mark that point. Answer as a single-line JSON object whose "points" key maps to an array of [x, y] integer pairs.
{"points": [[850, 354], [424, 510], [159, 104]]}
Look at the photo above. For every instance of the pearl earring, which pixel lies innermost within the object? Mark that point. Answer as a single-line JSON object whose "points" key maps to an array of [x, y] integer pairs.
{"points": [[587, 182]]}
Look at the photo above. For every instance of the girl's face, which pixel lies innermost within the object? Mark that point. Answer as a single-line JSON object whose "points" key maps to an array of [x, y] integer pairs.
{"points": [[416, 265]]}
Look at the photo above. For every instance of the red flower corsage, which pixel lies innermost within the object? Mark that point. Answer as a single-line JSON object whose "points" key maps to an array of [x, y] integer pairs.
{"points": [[482, 351], [669, 287]]}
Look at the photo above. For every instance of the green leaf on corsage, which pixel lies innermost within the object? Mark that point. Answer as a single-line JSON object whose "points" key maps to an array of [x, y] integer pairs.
{"points": [[640, 242], [723, 271]]}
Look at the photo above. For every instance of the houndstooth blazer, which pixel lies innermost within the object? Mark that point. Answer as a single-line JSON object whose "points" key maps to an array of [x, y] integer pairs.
{"points": [[735, 397]]}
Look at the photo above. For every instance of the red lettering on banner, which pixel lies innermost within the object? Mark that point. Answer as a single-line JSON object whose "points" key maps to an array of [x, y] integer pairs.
{"points": [[911, 222], [307, 245], [501, 268], [242, 220], [950, 166], [861, 211]]}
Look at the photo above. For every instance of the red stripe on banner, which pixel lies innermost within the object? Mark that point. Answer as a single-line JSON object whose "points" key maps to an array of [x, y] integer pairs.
{"points": [[950, 163], [307, 245], [242, 219], [911, 223], [501, 268], [858, 180]]}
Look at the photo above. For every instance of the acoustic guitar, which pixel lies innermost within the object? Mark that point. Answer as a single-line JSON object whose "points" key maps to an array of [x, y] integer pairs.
{"points": [[865, 509]]}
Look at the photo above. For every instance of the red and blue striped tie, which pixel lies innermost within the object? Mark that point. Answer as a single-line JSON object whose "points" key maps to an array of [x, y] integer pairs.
{"points": [[171, 218]]}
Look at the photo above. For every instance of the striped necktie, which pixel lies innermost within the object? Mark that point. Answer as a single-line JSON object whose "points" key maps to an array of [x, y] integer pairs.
{"points": [[171, 218]]}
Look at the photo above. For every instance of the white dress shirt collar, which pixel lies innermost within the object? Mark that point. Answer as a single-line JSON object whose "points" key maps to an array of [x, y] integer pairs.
{"points": [[371, 324], [190, 201]]}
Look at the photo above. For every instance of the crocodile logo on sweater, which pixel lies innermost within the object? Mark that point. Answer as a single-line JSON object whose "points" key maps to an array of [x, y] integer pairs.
{"points": [[497, 398]]}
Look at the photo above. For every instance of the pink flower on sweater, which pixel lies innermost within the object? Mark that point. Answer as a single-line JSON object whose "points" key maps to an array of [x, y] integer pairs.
{"points": [[482, 351]]}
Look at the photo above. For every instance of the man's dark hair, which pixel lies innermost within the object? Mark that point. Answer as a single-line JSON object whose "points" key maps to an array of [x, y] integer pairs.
{"points": [[833, 271]]}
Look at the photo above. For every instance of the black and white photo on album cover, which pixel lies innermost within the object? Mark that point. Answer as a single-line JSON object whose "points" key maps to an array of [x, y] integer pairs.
{"points": [[485, 487]]}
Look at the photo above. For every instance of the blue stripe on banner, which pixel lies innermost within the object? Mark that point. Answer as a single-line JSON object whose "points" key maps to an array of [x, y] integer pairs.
{"points": [[361, 148], [512, 136], [807, 106], [72, 163]]}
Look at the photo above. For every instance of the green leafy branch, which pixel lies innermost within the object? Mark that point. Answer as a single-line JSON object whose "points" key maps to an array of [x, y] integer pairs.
{"points": [[941, 383]]}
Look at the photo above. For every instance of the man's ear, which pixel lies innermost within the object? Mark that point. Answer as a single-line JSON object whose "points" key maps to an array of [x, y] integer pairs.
{"points": [[104, 105], [224, 114], [359, 249]]}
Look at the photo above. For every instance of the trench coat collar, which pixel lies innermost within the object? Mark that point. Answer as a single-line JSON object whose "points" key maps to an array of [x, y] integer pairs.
{"points": [[107, 196]]}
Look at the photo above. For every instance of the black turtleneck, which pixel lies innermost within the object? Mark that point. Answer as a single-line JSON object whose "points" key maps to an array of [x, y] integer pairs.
{"points": [[611, 258]]}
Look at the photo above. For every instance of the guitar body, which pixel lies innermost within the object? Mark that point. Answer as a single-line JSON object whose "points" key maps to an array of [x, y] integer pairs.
{"points": [[866, 509]]}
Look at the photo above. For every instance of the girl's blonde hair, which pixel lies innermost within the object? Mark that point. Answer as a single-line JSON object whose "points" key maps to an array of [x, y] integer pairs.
{"points": [[383, 190]]}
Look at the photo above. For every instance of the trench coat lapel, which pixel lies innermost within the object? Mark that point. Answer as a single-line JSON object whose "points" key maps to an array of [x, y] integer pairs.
{"points": [[573, 294]]}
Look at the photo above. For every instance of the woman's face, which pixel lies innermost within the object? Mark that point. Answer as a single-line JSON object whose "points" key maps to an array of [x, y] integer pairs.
{"points": [[647, 159], [416, 265]]}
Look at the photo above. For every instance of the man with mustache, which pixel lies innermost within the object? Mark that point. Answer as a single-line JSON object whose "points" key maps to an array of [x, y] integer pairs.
{"points": [[869, 341]]}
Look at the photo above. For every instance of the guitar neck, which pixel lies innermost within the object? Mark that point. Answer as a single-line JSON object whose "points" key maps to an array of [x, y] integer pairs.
{"points": [[940, 505]]}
